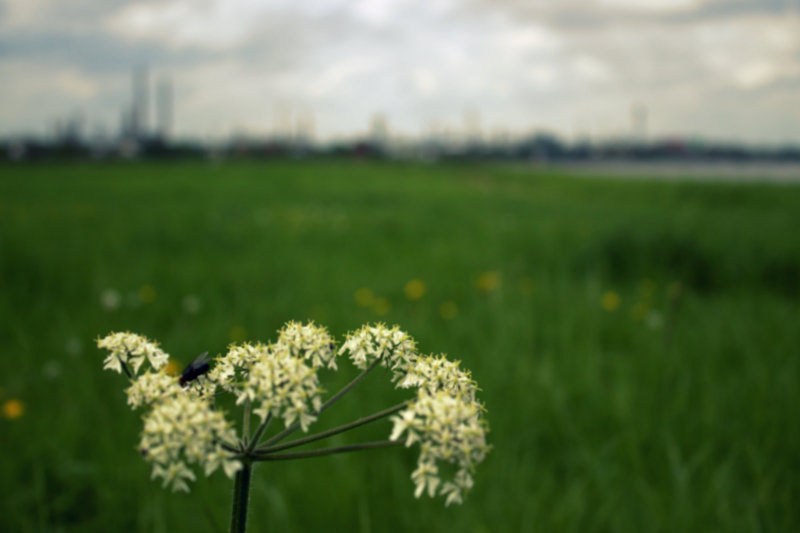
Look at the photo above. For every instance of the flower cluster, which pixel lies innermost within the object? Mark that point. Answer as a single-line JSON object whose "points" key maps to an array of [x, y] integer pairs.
{"points": [[130, 350], [446, 419], [308, 342], [152, 387], [181, 427], [231, 371], [393, 347], [276, 378], [182, 430], [280, 384], [435, 373]]}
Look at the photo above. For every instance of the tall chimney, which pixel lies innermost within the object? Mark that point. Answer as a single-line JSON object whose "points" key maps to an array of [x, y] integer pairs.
{"points": [[164, 107], [139, 114]]}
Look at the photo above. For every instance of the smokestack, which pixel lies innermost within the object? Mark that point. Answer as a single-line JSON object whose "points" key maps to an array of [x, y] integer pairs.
{"points": [[639, 123], [139, 111], [164, 107]]}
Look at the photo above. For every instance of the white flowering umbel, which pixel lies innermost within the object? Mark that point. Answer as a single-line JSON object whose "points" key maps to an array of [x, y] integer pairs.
{"points": [[450, 430], [309, 342], [394, 348], [152, 387], [129, 351], [232, 371], [435, 373], [185, 430], [282, 385]]}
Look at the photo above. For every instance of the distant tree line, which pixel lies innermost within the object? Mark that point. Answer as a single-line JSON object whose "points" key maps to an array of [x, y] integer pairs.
{"points": [[538, 147]]}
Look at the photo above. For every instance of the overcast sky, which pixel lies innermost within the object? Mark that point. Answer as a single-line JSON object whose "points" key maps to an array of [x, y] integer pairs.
{"points": [[717, 69]]}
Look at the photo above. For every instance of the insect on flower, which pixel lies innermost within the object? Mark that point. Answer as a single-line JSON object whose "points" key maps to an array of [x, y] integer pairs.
{"points": [[196, 368]]}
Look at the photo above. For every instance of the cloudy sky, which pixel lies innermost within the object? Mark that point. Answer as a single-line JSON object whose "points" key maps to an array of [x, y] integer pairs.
{"points": [[721, 69]]}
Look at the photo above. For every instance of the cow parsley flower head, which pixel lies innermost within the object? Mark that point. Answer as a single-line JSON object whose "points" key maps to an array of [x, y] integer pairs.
{"points": [[231, 371], [182, 430], [151, 387], [393, 347], [281, 385], [309, 342], [131, 350], [435, 373], [450, 431]]}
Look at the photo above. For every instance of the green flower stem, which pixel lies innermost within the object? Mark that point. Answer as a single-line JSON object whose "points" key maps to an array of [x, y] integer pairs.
{"points": [[259, 432], [241, 495], [246, 423], [291, 429], [325, 451], [334, 431]]}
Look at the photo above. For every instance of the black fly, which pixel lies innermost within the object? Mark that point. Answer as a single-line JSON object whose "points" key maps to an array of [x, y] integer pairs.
{"points": [[196, 368]]}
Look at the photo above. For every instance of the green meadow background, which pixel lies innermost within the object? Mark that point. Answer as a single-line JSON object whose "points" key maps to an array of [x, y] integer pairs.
{"points": [[636, 342]]}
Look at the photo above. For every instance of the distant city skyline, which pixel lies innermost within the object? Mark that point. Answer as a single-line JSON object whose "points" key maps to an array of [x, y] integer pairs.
{"points": [[727, 70]]}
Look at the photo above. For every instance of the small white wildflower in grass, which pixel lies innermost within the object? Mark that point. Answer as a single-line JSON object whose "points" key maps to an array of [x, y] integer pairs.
{"points": [[309, 342], [51, 369], [654, 319], [130, 349], [73, 346], [192, 304], [110, 299]]}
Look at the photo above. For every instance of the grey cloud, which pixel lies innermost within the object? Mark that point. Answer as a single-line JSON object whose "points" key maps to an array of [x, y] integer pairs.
{"points": [[578, 15], [520, 63]]}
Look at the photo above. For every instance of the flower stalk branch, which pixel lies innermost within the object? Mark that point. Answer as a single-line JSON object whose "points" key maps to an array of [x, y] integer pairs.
{"points": [[259, 432], [325, 451], [331, 432], [333, 399]]}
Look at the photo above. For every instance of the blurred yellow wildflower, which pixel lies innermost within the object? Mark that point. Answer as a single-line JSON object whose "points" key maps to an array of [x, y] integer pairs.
{"points": [[639, 311], [172, 368], [647, 288], [448, 310], [238, 333], [526, 285], [610, 301], [381, 306], [147, 294], [415, 289], [674, 290], [488, 281], [364, 297], [13, 408]]}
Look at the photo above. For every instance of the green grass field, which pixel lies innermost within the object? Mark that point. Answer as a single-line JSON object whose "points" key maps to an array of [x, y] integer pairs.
{"points": [[637, 343]]}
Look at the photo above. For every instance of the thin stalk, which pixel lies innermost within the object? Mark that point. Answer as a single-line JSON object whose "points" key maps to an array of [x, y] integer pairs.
{"points": [[325, 451], [241, 495], [291, 429], [334, 431], [230, 447], [259, 433], [246, 423]]}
